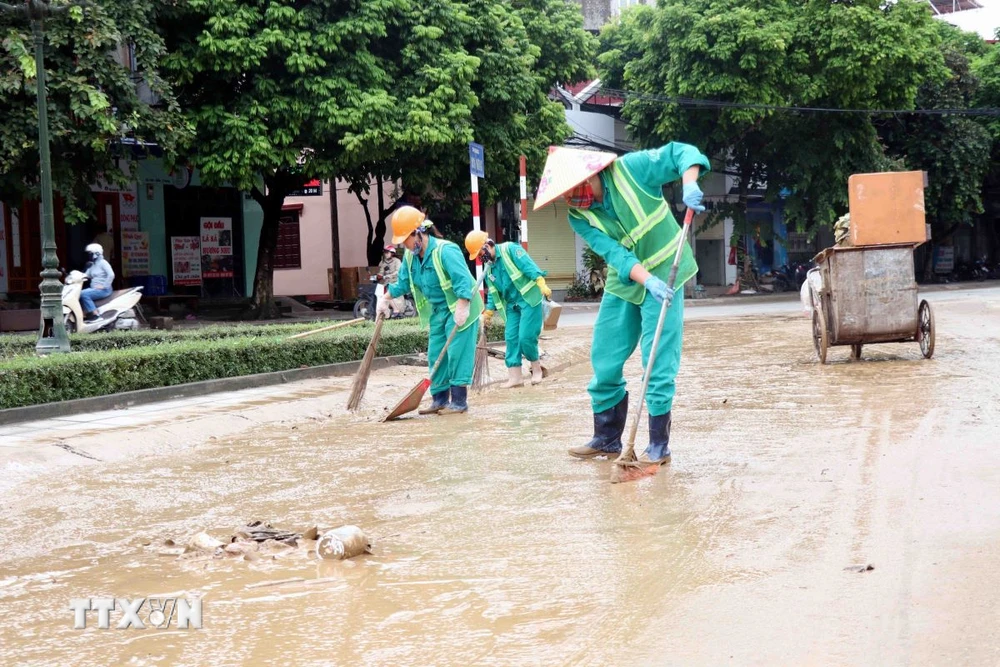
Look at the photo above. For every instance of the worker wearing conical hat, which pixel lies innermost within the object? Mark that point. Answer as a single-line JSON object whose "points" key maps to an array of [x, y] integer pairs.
{"points": [[617, 207], [515, 287], [435, 272]]}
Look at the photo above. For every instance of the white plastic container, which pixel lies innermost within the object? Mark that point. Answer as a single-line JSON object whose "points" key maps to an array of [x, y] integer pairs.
{"points": [[342, 543]]}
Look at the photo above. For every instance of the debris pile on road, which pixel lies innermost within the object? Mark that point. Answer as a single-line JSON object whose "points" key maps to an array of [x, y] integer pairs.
{"points": [[258, 540], [842, 231]]}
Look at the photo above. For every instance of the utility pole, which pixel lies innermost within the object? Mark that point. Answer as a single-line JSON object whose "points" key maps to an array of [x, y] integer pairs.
{"points": [[52, 332]]}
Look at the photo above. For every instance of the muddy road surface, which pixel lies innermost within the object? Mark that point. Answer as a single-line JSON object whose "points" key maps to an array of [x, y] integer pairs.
{"points": [[492, 546]]}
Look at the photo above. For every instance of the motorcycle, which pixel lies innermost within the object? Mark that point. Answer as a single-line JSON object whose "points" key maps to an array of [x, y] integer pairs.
{"points": [[981, 270], [116, 311], [367, 300]]}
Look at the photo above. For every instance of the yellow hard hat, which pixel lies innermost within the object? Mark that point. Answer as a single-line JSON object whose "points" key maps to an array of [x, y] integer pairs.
{"points": [[474, 242], [405, 221]]}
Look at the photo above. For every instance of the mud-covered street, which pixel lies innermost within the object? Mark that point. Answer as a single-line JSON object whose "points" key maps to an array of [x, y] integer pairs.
{"points": [[493, 546]]}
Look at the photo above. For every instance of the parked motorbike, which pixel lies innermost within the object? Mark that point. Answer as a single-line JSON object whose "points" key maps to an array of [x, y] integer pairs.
{"points": [[116, 311], [981, 270], [367, 300]]}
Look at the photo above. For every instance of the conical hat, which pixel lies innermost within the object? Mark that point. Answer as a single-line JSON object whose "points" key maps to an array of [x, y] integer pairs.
{"points": [[565, 168]]}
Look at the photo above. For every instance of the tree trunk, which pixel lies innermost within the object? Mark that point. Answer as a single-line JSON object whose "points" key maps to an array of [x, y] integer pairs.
{"points": [[262, 305], [380, 223], [371, 231], [376, 229]]}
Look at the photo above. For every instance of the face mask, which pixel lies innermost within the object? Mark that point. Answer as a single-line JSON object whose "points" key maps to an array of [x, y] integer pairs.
{"points": [[582, 196]]}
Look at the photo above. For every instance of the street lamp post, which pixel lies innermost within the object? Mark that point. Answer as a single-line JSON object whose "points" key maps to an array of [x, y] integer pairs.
{"points": [[52, 332]]}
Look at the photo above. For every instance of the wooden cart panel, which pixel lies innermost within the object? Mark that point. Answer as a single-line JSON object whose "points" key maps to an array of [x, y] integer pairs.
{"points": [[870, 293]]}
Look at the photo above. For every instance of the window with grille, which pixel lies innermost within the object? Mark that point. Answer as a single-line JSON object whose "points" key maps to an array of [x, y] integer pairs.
{"points": [[288, 254]]}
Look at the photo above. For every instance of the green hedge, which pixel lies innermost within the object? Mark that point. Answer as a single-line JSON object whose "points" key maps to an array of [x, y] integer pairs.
{"points": [[11, 346], [162, 362], [24, 344]]}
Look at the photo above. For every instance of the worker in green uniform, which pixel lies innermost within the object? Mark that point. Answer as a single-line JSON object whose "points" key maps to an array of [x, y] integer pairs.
{"points": [[617, 207], [515, 287], [435, 272]]}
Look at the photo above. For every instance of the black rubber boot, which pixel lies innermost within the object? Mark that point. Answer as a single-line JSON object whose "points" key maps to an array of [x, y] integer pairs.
{"points": [[658, 450], [608, 428], [437, 405], [459, 401]]}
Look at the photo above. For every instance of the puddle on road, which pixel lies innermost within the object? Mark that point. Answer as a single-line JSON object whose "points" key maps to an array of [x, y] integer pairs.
{"points": [[490, 543]]}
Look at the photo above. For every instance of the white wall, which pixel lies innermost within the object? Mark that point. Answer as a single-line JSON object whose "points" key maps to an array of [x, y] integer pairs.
{"points": [[596, 127]]}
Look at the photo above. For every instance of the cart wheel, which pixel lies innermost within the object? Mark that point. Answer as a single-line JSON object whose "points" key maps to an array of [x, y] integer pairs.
{"points": [[856, 351], [820, 341], [925, 329]]}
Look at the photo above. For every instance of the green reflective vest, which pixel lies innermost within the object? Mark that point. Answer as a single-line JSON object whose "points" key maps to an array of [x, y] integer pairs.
{"points": [[529, 290], [645, 226], [424, 306]]}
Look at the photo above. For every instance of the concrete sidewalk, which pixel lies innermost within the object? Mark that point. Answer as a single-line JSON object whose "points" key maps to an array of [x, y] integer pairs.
{"points": [[162, 412]]}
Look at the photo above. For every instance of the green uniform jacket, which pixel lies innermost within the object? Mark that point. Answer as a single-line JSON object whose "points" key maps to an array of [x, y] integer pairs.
{"points": [[633, 223], [510, 278], [438, 280]]}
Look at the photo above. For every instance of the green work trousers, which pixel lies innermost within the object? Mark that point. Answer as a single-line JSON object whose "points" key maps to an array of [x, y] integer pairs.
{"points": [[456, 368], [619, 328], [524, 325]]}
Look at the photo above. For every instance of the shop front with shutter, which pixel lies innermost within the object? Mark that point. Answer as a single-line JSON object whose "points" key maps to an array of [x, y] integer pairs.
{"points": [[552, 244]]}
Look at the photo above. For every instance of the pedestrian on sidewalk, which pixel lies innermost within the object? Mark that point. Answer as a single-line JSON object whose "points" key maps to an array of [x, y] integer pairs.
{"points": [[435, 272], [515, 287], [617, 207]]}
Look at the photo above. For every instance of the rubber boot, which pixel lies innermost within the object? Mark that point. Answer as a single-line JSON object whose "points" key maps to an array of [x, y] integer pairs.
{"points": [[515, 377], [658, 450], [608, 428], [536, 372], [437, 405], [459, 402]]}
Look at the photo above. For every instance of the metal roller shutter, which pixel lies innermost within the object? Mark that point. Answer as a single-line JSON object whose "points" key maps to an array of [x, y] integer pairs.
{"points": [[552, 244]]}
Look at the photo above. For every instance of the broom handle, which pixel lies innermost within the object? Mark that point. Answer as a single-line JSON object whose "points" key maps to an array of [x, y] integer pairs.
{"points": [[688, 217], [327, 328], [454, 329]]}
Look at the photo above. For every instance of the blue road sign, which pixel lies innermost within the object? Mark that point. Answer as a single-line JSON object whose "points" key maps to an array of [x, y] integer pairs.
{"points": [[477, 160]]}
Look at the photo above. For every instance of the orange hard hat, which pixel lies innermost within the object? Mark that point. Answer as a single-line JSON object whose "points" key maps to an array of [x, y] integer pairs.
{"points": [[474, 242], [405, 221]]}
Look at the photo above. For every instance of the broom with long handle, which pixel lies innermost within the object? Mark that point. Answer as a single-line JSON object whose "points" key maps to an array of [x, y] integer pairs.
{"points": [[481, 367], [481, 370], [627, 467], [364, 370], [332, 327]]}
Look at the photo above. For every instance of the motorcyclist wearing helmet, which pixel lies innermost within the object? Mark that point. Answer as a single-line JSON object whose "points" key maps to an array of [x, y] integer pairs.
{"points": [[101, 277], [388, 270]]}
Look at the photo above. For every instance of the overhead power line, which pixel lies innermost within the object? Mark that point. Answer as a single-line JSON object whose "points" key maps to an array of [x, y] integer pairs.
{"points": [[717, 104]]}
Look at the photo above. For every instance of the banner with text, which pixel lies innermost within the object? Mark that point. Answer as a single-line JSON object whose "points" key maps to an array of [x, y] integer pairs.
{"points": [[185, 253], [128, 209], [216, 247], [135, 253]]}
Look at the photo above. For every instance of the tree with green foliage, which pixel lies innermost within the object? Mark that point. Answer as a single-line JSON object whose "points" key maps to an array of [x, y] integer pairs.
{"points": [[371, 91], [93, 100], [857, 55], [524, 48], [986, 68], [953, 150], [282, 92]]}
